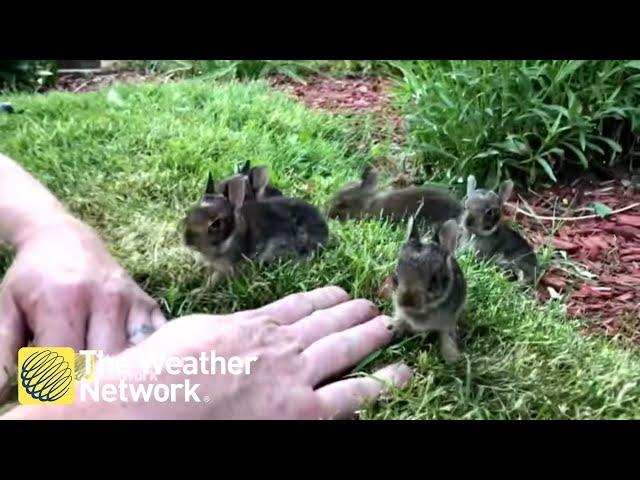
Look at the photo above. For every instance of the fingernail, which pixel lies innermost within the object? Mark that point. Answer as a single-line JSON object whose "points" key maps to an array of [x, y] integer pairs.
{"points": [[402, 375], [337, 292]]}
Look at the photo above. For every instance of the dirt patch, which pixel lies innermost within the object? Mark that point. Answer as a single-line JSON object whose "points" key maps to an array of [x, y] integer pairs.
{"points": [[600, 275]]}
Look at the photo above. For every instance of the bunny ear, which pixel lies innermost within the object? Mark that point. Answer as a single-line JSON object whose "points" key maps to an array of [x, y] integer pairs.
{"points": [[259, 178], [235, 191], [471, 184], [210, 188], [246, 168], [506, 189], [413, 232], [448, 236], [369, 178]]}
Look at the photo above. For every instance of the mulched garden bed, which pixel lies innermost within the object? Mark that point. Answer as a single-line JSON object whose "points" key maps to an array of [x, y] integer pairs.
{"points": [[605, 286], [350, 94]]}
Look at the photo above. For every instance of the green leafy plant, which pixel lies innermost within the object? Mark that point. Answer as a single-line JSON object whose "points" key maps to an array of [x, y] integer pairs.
{"points": [[254, 69], [601, 210], [21, 74], [528, 120], [227, 69]]}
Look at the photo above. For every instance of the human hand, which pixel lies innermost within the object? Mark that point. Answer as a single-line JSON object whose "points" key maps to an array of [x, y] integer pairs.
{"points": [[65, 289], [302, 343]]}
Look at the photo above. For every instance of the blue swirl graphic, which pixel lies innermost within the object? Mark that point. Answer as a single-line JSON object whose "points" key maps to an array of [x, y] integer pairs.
{"points": [[46, 376]]}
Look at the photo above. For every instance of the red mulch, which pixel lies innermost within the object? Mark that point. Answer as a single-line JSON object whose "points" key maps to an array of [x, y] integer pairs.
{"points": [[366, 94], [607, 247], [356, 94]]}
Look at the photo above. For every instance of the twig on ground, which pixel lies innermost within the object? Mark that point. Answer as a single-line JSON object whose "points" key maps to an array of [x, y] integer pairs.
{"points": [[570, 219]]}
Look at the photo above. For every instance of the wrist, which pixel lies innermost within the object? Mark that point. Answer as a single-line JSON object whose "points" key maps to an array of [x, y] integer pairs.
{"points": [[55, 222]]}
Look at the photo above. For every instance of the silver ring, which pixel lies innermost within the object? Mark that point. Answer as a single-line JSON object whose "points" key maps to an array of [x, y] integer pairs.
{"points": [[144, 330]]}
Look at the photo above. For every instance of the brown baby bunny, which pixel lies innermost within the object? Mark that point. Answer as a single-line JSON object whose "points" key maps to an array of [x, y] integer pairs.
{"points": [[364, 199], [225, 229], [429, 288], [491, 237]]}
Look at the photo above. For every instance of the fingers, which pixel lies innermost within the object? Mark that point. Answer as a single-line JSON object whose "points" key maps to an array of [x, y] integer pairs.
{"points": [[12, 338], [339, 351], [292, 308], [60, 322], [157, 318], [342, 399], [335, 319], [107, 326]]}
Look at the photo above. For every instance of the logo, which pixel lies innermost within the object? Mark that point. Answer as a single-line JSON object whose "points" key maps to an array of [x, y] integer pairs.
{"points": [[46, 375]]}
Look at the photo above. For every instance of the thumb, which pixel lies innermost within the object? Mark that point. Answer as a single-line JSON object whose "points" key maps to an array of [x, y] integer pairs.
{"points": [[12, 337]]}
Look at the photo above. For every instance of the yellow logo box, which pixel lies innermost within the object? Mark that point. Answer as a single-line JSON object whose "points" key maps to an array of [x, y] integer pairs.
{"points": [[46, 375]]}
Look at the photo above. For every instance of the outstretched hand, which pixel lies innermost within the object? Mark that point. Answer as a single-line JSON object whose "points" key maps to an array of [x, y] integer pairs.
{"points": [[300, 343]]}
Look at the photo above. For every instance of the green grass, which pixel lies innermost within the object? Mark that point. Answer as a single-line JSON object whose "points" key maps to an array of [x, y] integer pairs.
{"points": [[132, 168]]}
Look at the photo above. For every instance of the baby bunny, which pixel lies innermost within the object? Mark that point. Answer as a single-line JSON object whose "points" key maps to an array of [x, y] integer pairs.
{"points": [[491, 237], [225, 229], [364, 199], [429, 290]]}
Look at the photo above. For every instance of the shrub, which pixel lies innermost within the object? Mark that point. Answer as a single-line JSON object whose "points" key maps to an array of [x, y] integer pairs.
{"points": [[527, 120], [19, 74]]}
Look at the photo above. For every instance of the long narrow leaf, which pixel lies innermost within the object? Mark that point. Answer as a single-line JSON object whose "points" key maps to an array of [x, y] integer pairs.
{"points": [[615, 146], [568, 69], [546, 167], [581, 156]]}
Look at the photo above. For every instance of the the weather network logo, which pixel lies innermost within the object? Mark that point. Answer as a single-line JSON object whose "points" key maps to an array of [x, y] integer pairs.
{"points": [[46, 375]]}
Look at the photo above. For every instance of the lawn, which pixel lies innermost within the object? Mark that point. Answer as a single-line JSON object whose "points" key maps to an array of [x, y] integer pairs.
{"points": [[130, 165]]}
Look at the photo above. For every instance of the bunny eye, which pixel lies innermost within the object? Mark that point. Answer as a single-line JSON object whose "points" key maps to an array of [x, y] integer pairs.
{"points": [[215, 224], [493, 212], [433, 283]]}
